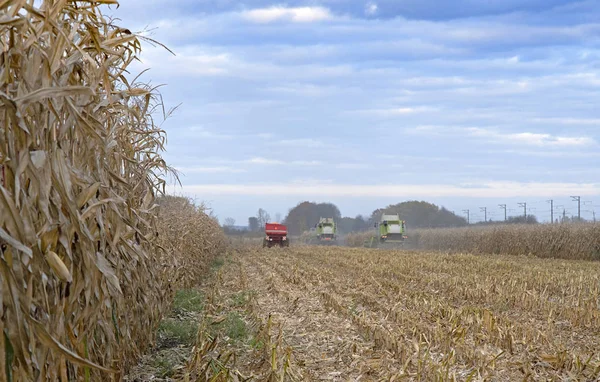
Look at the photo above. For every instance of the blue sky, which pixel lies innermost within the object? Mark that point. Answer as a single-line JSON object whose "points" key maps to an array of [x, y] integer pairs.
{"points": [[365, 103]]}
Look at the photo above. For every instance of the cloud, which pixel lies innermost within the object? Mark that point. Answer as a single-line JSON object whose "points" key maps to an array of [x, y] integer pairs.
{"points": [[191, 60], [295, 15], [266, 161], [277, 162], [352, 166], [521, 90], [202, 132], [209, 170], [396, 111], [491, 189], [547, 10], [521, 138], [536, 139], [371, 9], [569, 121], [306, 90], [430, 130], [303, 142], [306, 163], [198, 61], [564, 155]]}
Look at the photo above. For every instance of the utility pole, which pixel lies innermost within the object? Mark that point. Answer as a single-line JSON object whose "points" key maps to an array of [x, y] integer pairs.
{"points": [[484, 210], [524, 205], [551, 211], [468, 216], [578, 200], [503, 206]]}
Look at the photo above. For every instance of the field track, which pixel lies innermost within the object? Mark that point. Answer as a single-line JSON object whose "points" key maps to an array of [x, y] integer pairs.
{"points": [[359, 314]]}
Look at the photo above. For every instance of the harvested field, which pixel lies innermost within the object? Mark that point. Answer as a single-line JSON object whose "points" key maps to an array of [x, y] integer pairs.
{"points": [[360, 314]]}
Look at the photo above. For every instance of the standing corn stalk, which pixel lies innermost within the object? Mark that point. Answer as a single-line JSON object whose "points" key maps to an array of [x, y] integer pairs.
{"points": [[81, 287]]}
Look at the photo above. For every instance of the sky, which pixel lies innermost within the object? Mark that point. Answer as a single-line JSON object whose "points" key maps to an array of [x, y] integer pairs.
{"points": [[463, 103]]}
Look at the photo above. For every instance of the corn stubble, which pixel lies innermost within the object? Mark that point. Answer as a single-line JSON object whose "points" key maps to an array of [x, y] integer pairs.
{"points": [[84, 279], [264, 358], [432, 317]]}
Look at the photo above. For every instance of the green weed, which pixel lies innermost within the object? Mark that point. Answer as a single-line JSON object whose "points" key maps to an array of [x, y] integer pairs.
{"points": [[173, 332], [190, 300]]}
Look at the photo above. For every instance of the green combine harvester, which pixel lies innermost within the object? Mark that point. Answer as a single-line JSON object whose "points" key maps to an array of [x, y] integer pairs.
{"points": [[391, 232], [326, 231]]}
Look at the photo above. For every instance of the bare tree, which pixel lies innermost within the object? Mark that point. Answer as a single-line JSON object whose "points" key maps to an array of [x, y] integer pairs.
{"points": [[263, 217], [278, 217], [229, 222]]}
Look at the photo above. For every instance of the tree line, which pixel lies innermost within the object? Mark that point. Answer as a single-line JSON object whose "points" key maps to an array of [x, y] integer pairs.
{"points": [[417, 214], [306, 214]]}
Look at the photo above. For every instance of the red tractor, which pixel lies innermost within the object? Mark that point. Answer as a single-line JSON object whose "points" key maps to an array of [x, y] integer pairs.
{"points": [[275, 234]]}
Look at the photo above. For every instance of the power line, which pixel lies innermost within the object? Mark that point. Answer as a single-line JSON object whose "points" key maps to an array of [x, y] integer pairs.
{"points": [[529, 209]]}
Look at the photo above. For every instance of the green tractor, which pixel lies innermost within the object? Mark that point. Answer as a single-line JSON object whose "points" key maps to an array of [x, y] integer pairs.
{"points": [[326, 231], [391, 233]]}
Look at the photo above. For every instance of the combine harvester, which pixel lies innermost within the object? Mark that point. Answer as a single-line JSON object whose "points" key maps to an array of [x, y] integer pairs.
{"points": [[391, 233], [326, 231], [276, 234]]}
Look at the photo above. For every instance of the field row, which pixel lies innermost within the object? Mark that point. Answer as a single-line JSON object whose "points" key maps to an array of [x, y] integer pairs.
{"points": [[358, 313]]}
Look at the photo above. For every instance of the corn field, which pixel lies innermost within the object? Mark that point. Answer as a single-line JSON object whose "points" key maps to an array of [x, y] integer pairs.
{"points": [[92, 252], [86, 270], [565, 241], [189, 239]]}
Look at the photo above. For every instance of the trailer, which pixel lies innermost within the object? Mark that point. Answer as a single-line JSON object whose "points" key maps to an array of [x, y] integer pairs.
{"points": [[276, 235]]}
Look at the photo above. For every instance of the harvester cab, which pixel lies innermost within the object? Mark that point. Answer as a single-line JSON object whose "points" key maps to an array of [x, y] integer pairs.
{"points": [[326, 231], [276, 234], [391, 229]]}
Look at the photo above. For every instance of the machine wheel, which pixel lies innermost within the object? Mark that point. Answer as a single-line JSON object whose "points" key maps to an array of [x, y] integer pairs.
{"points": [[264, 243]]}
